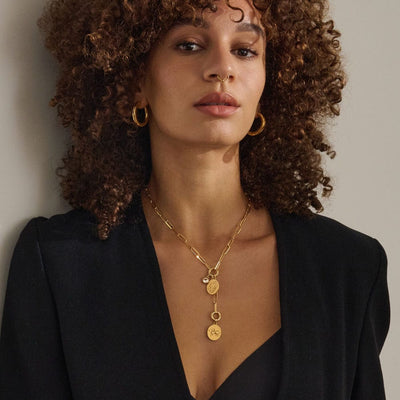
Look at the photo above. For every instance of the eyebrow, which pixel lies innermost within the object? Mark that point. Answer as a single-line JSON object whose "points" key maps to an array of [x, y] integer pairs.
{"points": [[249, 27], [241, 26]]}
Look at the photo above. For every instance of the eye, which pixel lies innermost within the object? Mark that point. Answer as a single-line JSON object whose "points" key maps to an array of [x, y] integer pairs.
{"points": [[246, 52], [188, 47]]}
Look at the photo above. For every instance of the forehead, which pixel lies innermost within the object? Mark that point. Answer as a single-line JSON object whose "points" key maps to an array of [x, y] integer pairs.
{"points": [[241, 14], [234, 8]]}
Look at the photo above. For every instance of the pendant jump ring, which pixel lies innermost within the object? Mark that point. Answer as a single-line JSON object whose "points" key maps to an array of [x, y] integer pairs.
{"points": [[217, 318], [213, 272]]}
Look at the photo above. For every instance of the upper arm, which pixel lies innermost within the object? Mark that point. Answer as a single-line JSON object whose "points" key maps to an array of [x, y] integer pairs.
{"points": [[32, 362], [368, 382]]}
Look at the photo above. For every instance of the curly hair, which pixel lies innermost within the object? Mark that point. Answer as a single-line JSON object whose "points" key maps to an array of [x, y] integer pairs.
{"points": [[102, 47]]}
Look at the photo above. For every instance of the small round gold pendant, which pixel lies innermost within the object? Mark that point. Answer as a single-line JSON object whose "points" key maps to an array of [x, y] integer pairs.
{"points": [[214, 332], [212, 286]]}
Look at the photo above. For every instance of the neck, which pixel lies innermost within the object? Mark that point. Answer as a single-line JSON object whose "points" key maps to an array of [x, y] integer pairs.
{"points": [[198, 190]]}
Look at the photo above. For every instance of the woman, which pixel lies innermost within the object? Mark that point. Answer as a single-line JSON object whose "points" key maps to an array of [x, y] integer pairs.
{"points": [[192, 266]]}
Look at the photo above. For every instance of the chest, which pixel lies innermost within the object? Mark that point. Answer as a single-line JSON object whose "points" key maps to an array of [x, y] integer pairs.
{"points": [[248, 303], [119, 343]]}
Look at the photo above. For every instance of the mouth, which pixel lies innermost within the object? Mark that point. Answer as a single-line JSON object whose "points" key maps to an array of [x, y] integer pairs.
{"points": [[218, 104], [215, 104], [218, 99]]}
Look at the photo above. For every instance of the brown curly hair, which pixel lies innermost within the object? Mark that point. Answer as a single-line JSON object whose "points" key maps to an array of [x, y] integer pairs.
{"points": [[102, 47]]}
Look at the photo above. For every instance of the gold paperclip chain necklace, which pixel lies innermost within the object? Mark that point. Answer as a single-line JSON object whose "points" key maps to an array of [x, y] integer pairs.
{"points": [[214, 330]]}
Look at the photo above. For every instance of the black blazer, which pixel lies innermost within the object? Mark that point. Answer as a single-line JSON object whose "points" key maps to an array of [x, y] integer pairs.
{"points": [[86, 319]]}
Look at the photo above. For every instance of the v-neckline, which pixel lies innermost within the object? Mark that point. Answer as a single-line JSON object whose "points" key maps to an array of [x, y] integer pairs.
{"points": [[168, 321], [241, 365]]}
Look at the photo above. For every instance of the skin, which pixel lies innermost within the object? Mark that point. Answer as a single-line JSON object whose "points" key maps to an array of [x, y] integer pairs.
{"points": [[196, 183], [190, 148], [191, 58]]}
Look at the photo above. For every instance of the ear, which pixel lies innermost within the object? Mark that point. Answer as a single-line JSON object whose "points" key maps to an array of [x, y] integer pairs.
{"points": [[140, 99], [139, 96]]}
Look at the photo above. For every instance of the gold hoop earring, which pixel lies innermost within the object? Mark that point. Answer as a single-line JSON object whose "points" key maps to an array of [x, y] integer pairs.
{"points": [[261, 128], [135, 119]]}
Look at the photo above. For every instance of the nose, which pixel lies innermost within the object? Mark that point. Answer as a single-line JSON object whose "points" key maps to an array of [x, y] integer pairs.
{"points": [[219, 65]]}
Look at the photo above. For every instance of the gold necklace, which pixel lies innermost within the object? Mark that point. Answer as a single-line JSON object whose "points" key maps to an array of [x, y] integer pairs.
{"points": [[214, 331]]}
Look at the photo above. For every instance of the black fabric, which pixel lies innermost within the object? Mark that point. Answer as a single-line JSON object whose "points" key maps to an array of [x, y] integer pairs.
{"points": [[86, 319], [257, 377]]}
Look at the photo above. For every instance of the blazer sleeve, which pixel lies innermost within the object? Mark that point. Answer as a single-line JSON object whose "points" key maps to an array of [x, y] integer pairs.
{"points": [[32, 364], [368, 383]]}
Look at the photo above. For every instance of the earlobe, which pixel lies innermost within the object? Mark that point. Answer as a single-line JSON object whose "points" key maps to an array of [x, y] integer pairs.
{"points": [[140, 101], [139, 98]]}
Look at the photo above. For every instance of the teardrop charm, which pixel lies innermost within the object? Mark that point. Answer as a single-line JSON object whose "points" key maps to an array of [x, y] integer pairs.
{"points": [[213, 286], [214, 332]]}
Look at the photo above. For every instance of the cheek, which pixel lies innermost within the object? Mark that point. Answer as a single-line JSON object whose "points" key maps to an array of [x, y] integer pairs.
{"points": [[261, 83], [255, 88], [164, 86], [166, 92], [253, 79], [260, 79]]}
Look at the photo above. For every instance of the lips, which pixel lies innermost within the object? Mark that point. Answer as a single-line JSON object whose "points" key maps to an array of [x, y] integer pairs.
{"points": [[218, 99], [217, 104]]}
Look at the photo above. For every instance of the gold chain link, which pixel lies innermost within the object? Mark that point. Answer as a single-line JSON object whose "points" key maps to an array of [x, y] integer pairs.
{"points": [[214, 331], [185, 241]]}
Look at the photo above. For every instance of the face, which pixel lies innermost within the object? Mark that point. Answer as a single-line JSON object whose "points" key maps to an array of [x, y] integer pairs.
{"points": [[203, 83]]}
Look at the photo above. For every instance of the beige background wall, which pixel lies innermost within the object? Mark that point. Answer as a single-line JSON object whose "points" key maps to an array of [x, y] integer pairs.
{"points": [[366, 137]]}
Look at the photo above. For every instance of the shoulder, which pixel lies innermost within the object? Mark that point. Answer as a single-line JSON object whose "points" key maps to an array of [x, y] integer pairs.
{"points": [[318, 224], [81, 225], [70, 250], [329, 248], [74, 234], [325, 233], [74, 224]]}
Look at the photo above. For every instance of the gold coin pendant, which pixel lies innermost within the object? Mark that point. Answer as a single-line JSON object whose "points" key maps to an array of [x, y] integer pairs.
{"points": [[214, 332], [212, 286]]}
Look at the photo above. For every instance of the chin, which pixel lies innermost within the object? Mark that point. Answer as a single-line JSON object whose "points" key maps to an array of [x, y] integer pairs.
{"points": [[218, 139], [221, 132], [213, 134]]}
